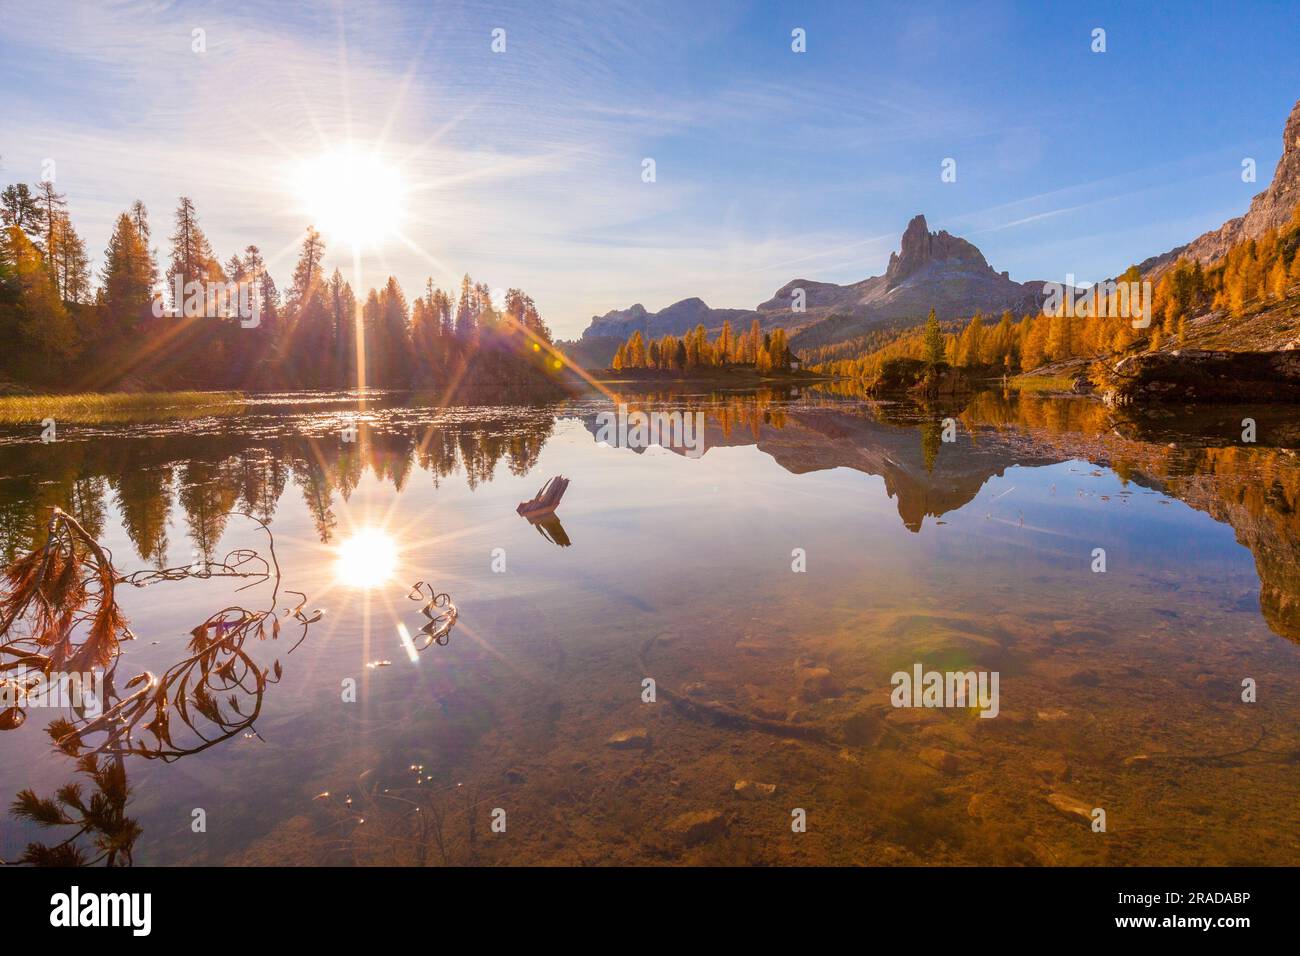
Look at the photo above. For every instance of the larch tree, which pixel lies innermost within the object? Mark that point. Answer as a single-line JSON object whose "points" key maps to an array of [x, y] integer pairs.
{"points": [[54, 207], [71, 264], [192, 259], [466, 319], [306, 280], [44, 329], [19, 207], [140, 219], [127, 278]]}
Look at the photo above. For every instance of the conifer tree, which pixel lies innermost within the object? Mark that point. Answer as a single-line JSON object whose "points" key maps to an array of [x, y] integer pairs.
{"points": [[934, 344], [127, 278], [192, 259]]}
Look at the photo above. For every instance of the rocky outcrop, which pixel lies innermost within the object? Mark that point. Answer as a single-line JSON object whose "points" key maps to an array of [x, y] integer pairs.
{"points": [[907, 376], [1270, 209], [1193, 375], [897, 376], [697, 827]]}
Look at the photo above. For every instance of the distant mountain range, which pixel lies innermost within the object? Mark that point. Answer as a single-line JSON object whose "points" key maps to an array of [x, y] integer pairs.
{"points": [[931, 270]]}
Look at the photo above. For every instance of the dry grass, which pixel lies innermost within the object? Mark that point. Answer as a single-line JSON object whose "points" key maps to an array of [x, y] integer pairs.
{"points": [[93, 407], [1042, 383]]}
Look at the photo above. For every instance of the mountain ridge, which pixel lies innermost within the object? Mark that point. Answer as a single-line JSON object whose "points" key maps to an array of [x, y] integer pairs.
{"points": [[930, 270]]}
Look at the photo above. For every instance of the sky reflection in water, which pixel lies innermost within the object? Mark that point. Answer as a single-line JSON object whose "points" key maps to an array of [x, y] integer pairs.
{"points": [[971, 554]]}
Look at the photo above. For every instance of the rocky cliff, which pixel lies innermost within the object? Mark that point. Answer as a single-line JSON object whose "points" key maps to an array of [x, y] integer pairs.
{"points": [[1270, 209]]}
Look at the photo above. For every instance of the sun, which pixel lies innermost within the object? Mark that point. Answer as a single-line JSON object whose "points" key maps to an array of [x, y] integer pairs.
{"points": [[352, 195], [365, 560]]}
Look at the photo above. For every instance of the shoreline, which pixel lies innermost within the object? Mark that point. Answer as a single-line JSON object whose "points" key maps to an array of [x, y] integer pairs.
{"points": [[715, 377]]}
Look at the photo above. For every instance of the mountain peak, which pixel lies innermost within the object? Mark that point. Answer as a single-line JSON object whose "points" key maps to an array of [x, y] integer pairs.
{"points": [[1291, 134], [921, 247]]}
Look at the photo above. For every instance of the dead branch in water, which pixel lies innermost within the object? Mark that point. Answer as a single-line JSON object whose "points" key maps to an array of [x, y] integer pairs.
{"points": [[61, 589], [216, 690], [66, 589], [440, 611], [547, 499], [103, 816]]}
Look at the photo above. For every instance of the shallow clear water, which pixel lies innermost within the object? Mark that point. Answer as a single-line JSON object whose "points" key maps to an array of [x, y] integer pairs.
{"points": [[1119, 690]]}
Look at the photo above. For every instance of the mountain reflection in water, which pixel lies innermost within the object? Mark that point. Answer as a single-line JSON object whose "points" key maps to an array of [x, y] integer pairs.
{"points": [[1121, 689]]}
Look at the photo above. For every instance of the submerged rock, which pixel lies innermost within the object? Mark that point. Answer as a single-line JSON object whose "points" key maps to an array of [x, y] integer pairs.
{"points": [[1076, 809], [1217, 685], [636, 739], [939, 760], [1084, 678], [697, 826], [979, 806], [863, 729], [1052, 768], [752, 790], [1041, 852], [816, 683]]}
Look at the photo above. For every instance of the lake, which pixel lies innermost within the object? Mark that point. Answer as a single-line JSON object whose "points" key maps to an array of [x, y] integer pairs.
{"points": [[1129, 579]]}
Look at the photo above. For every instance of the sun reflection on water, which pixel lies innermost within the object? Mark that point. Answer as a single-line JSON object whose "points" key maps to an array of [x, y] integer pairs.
{"points": [[367, 559]]}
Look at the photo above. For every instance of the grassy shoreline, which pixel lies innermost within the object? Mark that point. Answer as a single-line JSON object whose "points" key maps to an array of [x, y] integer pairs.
{"points": [[21, 409], [1028, 382]]}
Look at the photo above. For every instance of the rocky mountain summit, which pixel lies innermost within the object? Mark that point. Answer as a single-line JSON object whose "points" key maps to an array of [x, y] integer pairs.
{"points": [[930, 270], [920, 248]]}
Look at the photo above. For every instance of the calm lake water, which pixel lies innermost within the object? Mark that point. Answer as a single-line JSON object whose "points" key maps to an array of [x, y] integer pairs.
{"points": [[1119, 690]]}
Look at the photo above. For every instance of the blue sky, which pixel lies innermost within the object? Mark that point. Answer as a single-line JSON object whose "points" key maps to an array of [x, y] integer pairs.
{"points": [[524, 167]]}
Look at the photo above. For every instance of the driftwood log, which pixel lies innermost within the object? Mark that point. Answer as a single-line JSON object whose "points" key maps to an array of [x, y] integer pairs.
{"points": [[547, 500]]}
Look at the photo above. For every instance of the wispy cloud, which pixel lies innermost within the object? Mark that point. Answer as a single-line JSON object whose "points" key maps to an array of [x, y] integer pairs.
{"points": [[525, 167]]}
